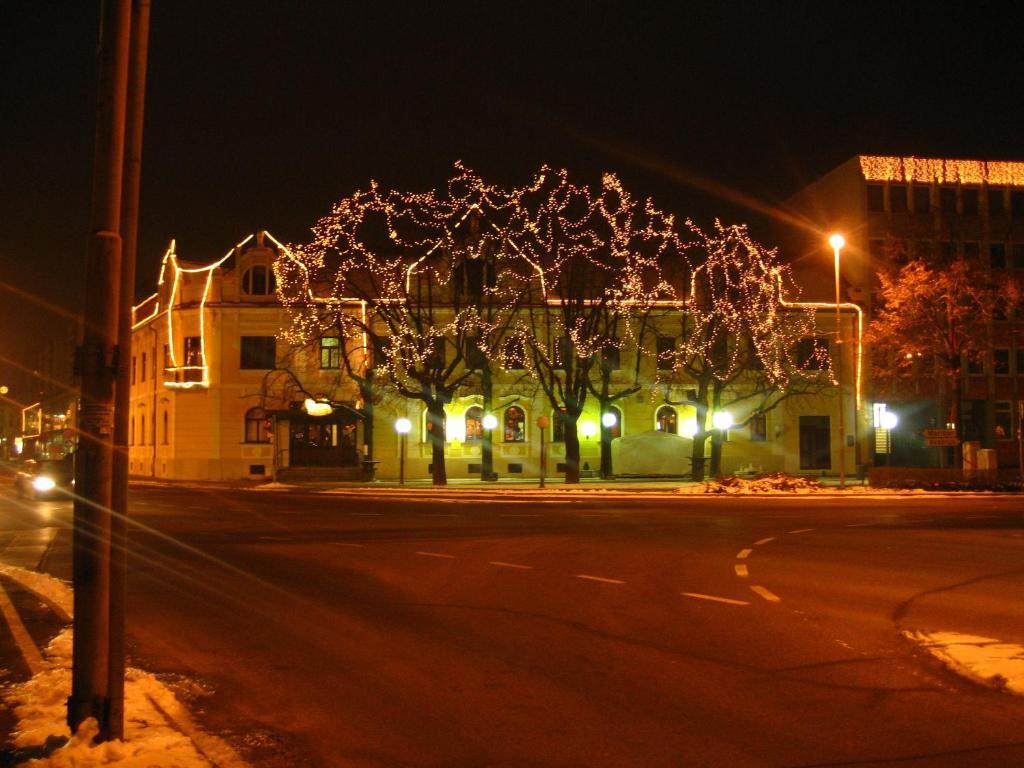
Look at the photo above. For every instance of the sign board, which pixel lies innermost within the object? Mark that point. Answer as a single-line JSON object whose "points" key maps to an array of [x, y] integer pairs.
{"points": [[931, 434], [939, 442]]}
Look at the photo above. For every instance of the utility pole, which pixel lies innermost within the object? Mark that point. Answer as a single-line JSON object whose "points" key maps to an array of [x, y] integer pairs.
{"points": [[138, 51], [90, 679]]}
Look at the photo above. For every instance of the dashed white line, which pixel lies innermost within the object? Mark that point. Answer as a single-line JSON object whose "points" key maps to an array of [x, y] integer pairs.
{"points": [[439, 514], [767, 594], [759, 542], [743, 554], [726, 600], [511, 565], [802, 530], [347, 544], [367, 514], [598, 578], [741, 570], [859, 525], [436, 554], [518, 515], [982, 517]]}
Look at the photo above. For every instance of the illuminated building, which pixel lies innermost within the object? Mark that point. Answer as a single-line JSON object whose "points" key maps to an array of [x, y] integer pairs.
{"points": [[891, 210]]}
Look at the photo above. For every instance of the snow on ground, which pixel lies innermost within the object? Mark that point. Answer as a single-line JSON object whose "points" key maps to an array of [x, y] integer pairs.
{"points": [[786, 485], [982, 659], [159, 733]]}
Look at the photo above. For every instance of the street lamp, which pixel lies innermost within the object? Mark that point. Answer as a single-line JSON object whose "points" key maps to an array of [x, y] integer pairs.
{"points": [[608, 419], [489, 423], [721, 420], [888, 422], [402, 427], [837, 242]]}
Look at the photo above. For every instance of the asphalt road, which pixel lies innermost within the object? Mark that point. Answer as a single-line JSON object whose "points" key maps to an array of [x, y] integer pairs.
{"points": [[476, 629]]}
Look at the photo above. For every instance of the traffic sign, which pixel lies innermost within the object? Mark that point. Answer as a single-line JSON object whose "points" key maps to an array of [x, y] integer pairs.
{"points": [[931, 434], [940, 442]]}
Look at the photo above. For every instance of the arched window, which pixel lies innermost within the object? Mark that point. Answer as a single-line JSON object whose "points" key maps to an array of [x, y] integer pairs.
{"points": [[142, 427], [258, 280], [615, 430], [515, 425], [667, 420], [558, 425], [474, 424], [257, 426], [165, 427]]}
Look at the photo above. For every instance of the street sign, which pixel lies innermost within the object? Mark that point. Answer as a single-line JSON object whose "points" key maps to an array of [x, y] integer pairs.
{"points": [[931, 434], [939, 442]]}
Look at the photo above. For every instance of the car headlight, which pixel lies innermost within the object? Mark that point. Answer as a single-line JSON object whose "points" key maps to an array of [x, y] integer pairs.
{"points": [[42, 483]]}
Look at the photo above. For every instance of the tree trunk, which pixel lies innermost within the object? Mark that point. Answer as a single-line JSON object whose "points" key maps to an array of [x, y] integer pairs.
{"points": [[955, 418], [606, 442], [716, 434], [487, 446], [572, 451], [366, 390], [435, 433], [697, 457]]}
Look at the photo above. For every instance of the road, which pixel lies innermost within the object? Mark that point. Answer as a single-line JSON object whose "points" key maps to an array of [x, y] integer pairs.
{"points": [[479, 629]]}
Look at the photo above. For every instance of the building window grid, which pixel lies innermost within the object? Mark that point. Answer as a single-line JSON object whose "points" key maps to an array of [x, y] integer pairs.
{"points": [[330, 352]]}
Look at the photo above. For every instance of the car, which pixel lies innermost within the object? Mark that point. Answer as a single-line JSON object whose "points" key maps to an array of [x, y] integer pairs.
{"points": [[48, 478]]}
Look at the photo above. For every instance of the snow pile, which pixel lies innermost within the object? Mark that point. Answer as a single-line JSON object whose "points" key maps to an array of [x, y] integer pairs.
{"points": [[982, 659], [777, 483], [159, 733]]}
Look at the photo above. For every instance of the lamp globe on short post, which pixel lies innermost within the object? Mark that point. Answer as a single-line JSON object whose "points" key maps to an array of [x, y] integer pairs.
{"points": [[402, 427]]}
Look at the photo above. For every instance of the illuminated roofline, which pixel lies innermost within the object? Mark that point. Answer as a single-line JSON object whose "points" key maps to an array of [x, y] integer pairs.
{"points": [[923, 170]]}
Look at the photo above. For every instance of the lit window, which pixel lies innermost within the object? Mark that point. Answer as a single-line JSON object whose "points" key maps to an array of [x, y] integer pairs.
{"points": [[558, 425], [667, 420], [515, 425], [257, 426], [330, 352], [474, 424], [1003, 420]]}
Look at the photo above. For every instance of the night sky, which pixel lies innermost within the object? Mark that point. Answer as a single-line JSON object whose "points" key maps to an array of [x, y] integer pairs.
{"points": [[260, 114]]}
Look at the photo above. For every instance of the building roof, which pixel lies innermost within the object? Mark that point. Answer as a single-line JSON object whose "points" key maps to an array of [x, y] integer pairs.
{"points": [[923, 170]]}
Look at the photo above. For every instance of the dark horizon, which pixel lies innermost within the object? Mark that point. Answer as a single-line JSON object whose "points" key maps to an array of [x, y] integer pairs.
{"points": [[259, 117]]}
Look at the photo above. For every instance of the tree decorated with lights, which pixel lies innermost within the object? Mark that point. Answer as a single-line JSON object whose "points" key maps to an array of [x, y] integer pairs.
{"points": [[938, 312], [423, 282], [739, 341], [596, 253]]}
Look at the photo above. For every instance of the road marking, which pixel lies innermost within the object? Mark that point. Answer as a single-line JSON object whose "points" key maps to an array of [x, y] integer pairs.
{"points": [[743, 554], [599, 514], [518, 515], [741, 570], [439, 514], [368, 514], [726, 600], [274, 538], [759, 542], [346, 544], [802, 530], [598, 578], [858, 525], [511, 565], [436, 554], [983, 517], [767, 594], [28, 649]]}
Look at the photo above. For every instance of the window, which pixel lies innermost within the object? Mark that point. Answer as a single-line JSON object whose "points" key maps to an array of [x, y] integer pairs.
{"points": [[666, 420], [996, 205], [561, 352], [997, 256], [947, 200], [558, 425], [143, 371], [1003, 420], [969, 198], [514, 355], [193, 351], [875, 198], [975, 366], [758, 428], [515, 425], [1001, 362], [615, 430], [142, 428], [1017, 204], [258, 281], [133, 369], [1020, 362], [1018, 256], [474, 424], [476, 360], [922, 199], [898, 198], [165, 427], [257, 426], [131, 437], [330, 352], [972, 251], [258, 352], [666, 350], [611, 356], [812, 354]]}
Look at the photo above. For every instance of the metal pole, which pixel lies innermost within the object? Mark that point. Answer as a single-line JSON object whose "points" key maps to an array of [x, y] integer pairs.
{"points": [[119, 490], [543, 458], [90, 683], [401, 460], [839, 380]]}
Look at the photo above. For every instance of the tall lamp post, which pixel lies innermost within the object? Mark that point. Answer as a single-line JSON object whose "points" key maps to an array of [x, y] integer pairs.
{"points": [[402, 427], [490, 423], [837, 242]]}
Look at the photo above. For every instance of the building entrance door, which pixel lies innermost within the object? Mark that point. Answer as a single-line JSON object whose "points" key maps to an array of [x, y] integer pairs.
{"points": [[815, 443], [325, 441]]}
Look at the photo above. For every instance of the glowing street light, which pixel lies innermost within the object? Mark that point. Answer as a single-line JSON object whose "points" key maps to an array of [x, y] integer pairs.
{"points": [[402, 427], [608, 419], [588, 429], [837, 242], [490, 421], [688, 428], [721, 420]]}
